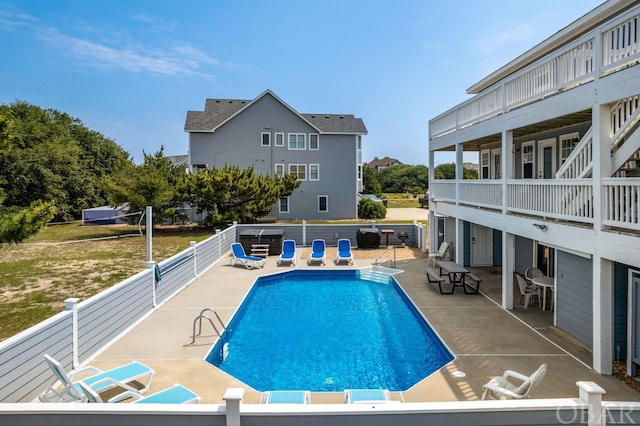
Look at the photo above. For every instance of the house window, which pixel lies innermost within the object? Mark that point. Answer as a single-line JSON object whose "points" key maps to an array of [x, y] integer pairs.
{"points": [[484, 165], [279, 170], [323, 203], [195, 168], [359, 171], [298, 170], [283, 206], [266, 139], [527, 160], [297, 141], [314, 171], [496, 158], [313, 142], [279, 139], [567, 145]]}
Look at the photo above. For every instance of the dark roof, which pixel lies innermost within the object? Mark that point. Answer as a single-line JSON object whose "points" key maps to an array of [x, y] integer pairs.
{"points": [[217, 111], [384, 162]]}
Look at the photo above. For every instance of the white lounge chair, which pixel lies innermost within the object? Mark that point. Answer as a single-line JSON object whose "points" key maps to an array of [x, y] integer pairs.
{"points": [[288, 254], [99, 381], [367, 396], [317, 252], [344, 251], [177, 394], [239, 256], [286, 397], [440, 254], [502, 387]]}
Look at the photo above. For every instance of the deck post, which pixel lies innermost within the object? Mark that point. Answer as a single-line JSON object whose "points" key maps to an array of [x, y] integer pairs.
{"points": [[591, 394], [233, 398], [71, 304]]}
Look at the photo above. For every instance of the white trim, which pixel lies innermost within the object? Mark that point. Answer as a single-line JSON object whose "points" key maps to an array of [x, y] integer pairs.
{"points": [[262, 135], [298, 166], [317, 148], [542, 144], [327, 204], [304, 142], [280, 205], [524, 145], [494, 163], [275, 139], [317, 166]]}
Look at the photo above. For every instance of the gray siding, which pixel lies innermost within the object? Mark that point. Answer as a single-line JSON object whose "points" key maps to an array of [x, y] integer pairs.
{"points": [[575, 296], [524, 254], [238, 142]]}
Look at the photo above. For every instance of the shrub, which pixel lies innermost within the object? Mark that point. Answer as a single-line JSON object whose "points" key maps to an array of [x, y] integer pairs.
{"points": [[369, 209]]}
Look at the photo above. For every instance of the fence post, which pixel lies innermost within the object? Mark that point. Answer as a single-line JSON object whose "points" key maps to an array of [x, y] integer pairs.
{"points": [[233, 398], [304, 233], [152, 266], [591, 393], [192, 244], [71, 304]]}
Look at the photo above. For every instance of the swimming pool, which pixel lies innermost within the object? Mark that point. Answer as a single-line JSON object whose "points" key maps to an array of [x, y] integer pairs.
{"points": [[328, 331]]}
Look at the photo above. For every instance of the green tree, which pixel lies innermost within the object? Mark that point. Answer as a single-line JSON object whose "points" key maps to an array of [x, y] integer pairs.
{"points": [[153, 183], [404, 178], [231, 193], [369, 209], [17, 226], [370, 181], [448, 171], [49, 155]]}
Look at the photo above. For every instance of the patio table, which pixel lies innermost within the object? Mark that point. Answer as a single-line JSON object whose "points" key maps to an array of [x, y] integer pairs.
{"points": [[546, 283]]}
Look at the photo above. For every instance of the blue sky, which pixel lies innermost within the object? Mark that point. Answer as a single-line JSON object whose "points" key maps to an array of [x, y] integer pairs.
{"points": [[132, 69]]}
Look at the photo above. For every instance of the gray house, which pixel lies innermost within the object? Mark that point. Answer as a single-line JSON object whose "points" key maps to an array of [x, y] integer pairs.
{"points": [[323, 150]]}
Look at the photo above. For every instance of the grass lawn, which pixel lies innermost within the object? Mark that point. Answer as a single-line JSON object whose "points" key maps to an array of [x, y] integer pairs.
{"points": [[401, 200], [36, 279]]}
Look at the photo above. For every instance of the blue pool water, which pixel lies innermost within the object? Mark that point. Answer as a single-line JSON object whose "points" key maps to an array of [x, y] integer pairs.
{"points": [[329, 331]]}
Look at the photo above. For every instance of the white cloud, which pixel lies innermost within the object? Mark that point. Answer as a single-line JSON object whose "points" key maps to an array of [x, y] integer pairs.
{"points": [[11, 20]]}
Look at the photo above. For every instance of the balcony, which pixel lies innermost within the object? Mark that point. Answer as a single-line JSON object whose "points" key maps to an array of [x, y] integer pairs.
{"points": [[563, 200]]}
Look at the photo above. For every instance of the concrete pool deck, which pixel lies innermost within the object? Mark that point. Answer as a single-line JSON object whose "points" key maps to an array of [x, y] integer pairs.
{"points": [[485, 338]]}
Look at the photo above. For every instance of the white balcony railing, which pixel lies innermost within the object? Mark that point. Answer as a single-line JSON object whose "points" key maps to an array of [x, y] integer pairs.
{"points": [[620, 199], [564, 199], [564, 69]]}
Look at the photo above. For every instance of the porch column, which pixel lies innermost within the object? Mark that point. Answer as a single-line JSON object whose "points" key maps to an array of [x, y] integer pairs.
{"points": [[458, 254], [506, 161], [459, 170], [602, 314], [508, 266], [432, 238]]}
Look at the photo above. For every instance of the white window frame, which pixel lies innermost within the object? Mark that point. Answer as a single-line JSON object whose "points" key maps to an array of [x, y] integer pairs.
{"points": [[359, 171], [486, 152], [496, 164], [298, 168], [298, 146], [317, 168], [575, 137], [280, 209], [524, 160], [278, 170], [278, 139], [326, 197], [262, 139], [317, 142]]}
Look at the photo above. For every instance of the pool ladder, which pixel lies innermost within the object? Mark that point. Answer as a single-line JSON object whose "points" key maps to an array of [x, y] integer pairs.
{"points": [[393, 261], [222, 336]]}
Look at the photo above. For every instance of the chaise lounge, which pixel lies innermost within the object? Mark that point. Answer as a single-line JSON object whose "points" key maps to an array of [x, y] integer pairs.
{"points": [[239, 256]]}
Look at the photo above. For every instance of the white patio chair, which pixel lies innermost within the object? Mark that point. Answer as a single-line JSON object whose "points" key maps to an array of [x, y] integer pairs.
{"points": [[440, 254]]}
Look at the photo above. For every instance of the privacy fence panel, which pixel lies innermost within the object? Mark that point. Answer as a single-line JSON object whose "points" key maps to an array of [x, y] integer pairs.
{"points": [[103, 317], [21, 359]]}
